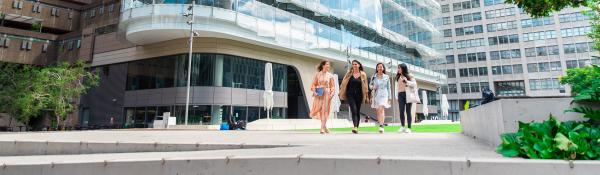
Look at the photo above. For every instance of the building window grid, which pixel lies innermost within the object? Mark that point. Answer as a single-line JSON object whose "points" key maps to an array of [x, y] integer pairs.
{"points": [[542, 35], [534, 22], [544, 84], [470, 43], [576, 31], [500, 13], [504, 39], [572, 17], [509, 25], [578, 47], [469, 17], [474, 87], [465, 5], [470, 30]]}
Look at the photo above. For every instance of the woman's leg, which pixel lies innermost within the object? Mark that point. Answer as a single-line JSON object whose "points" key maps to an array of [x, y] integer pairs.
{"points": [[409, 114], [402, 105], [380, 115], [353, 111]]}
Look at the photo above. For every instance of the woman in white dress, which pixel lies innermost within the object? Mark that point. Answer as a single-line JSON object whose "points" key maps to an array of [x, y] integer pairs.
{"points": [[381, 98]]}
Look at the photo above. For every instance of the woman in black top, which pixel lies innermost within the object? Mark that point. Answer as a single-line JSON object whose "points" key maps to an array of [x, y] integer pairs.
{"points": [[354, 90]]}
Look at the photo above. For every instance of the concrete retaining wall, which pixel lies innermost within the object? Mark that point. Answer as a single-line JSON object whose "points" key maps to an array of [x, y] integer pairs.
{"points": [[487, 122], [309, 165]]}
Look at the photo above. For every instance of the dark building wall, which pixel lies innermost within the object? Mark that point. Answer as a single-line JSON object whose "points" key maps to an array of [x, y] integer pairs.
{"points": [[106, 100]]}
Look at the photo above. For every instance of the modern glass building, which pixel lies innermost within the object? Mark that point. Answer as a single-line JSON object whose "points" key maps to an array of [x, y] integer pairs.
{"points": [[144, 73]]}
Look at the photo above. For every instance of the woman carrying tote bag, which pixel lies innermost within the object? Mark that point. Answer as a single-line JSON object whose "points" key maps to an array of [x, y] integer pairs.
{"points": [[407, 89]]}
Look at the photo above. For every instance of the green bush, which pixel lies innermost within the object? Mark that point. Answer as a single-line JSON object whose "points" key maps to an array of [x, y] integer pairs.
{"points": [[553, 139], [585, 86]]}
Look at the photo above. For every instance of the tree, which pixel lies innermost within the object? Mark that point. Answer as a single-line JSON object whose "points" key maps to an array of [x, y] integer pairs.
{"points": [[26, 90], [541, 8]]}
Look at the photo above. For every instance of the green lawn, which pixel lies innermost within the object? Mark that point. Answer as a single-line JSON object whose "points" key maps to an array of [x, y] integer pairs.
{"points": [[415, 128]]}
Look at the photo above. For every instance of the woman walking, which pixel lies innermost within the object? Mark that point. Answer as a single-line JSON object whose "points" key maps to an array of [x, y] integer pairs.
{"points": [[406, 86], [322, 88], [380, 83], [354, 90]]}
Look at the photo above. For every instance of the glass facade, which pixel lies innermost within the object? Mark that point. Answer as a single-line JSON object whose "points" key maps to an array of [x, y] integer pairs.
{"points": [[400, 30], [207, 70], [143, 117]]}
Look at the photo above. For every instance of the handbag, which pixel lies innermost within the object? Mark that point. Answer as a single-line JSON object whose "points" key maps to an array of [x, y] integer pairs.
{"points": [[319, 91]]}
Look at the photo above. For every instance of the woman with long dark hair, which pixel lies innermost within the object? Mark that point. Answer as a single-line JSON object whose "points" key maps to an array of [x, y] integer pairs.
{"points": [[406, 86], [382, 97], [354, 90], [323, 90]]}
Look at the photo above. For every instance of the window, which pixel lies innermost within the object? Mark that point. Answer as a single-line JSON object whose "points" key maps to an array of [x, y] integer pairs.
{"points": [[496, 70], [544, 84], [470, 43], [569, 48], [463, 72], [504, 39], [45, 47], [449, 59], [515, 53], [483, 71], [55, 12], [501, 26], [26, 45], [578, 47], [71, 14], [571, 64], [517, 69], [530, 52], [111, 8], [510, 88], [100, 10], [448, 33], [555, 66], [17, 5], [92, 13], [507, 69], [445, 8], [458, 19], [451, 73], [462, 58], [494, 55], [481, 56], [473, 72], [577, 31], [446, 20], [475, 87], [465, 88], [4, 42], [541, 51], [500, 13], [484, 85], [37, 8], [492, 2], [457, 6], [532, 67], [448, 45], [472, 57], [544, 67], [452, 89], [572, 17], [469, 30], [553, 50], [534, 22], [581, 47]]}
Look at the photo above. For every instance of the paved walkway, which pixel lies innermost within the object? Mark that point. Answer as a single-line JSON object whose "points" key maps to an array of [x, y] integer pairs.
{"points": [[442, 145]]}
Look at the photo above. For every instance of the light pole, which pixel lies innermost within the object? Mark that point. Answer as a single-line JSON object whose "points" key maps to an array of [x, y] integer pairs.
{"points": [[190, 14]]}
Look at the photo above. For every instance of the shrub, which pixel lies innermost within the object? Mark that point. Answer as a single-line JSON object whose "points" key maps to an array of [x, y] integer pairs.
{"points": [[585, 86], [553, 139]]}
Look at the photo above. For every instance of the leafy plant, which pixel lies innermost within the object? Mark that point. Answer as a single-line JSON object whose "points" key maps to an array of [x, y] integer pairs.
{"points": [[585, 86], [36, 27], [552, 139]]}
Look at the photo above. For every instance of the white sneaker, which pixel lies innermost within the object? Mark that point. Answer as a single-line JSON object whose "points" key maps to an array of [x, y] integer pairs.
{"points": [[407, 130], [381, 130], [402, 130]]}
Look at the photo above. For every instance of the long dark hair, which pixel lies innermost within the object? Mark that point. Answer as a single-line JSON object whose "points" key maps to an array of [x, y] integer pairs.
{"points": [[404, 70], [381, 66], [359, 65], [320, 67]]}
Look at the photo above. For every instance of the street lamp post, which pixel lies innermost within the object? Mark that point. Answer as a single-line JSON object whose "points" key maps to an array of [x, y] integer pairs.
{"points": [[190, 14]]}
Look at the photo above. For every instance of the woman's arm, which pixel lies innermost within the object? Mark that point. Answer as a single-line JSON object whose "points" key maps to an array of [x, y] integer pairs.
{"points": [[412, 83]]}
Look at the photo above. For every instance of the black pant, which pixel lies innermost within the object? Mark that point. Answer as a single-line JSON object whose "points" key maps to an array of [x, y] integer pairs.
{"points": [[404, 107], [354, 101]]}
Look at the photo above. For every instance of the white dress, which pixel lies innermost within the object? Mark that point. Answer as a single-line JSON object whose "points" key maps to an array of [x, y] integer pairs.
{"points": [[381, 91]]}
